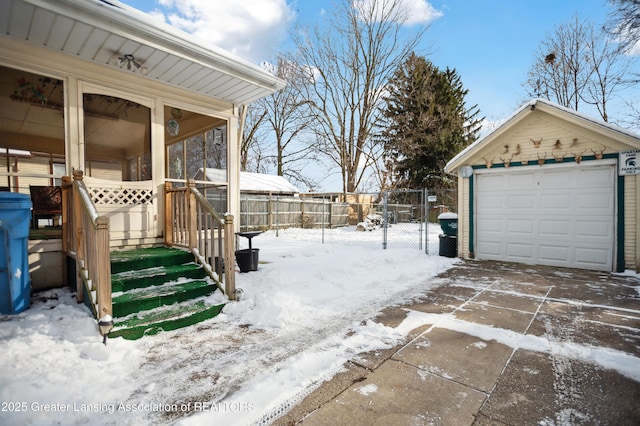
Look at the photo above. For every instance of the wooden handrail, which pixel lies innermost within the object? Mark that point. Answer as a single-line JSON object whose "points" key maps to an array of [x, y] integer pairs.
{"points": [[86, 239], [192, 222]]}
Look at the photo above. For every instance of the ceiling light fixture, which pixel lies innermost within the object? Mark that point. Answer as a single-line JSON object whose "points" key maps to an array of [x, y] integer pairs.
{"points": [[129, 60]]}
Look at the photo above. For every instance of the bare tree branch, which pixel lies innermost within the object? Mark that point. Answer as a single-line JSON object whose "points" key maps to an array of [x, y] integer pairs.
{"points": [[578, 65], [349, 62]]}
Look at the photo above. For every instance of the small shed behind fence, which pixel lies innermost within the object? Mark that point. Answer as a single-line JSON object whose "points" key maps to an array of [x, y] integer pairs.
{"points": [[251, 183]]}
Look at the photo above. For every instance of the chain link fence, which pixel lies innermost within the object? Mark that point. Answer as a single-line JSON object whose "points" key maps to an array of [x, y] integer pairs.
{"points": [[391, 219], [412, 218]]}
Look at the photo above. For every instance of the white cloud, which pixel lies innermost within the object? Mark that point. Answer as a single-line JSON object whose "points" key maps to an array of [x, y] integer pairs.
{"points": [[635, 49], [421, 12], [251, 29], [417, 11]]}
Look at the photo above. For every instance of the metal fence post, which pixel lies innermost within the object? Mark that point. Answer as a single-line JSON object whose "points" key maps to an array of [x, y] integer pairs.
{"points": [[384, 228], [426, 220], [323, 219], [277, 214], [420, 222]]}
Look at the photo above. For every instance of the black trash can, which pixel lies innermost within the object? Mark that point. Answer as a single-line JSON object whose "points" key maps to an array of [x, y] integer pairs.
{"points": [[448, 246], [247, 259]]}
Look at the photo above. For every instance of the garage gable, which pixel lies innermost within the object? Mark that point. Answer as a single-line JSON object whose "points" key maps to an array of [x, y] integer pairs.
{"points": [[541, 131]]}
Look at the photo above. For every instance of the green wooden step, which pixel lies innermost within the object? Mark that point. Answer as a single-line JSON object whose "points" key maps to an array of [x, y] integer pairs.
{"points": [[152, 297], [141, 278], [130, 260], [158, 289], [165, 318]]}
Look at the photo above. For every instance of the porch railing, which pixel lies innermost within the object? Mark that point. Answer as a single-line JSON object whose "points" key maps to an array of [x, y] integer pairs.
{"points": [[85, 238], [191, 222]]}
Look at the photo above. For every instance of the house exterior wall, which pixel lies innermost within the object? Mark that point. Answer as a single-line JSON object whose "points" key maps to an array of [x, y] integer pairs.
{"points": [[464, 212], [46, 260], [632, 220], [32, 166], [560, 141]]}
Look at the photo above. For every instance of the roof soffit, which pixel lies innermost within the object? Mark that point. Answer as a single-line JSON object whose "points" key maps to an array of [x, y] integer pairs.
{"points": [[103, 32]]}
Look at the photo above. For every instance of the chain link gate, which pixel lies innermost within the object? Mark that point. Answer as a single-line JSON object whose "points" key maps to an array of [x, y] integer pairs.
{"points": [[409, 218], [404, 220]]}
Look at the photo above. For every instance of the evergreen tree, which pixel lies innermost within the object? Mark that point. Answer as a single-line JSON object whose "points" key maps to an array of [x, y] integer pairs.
{"points": [[425, 124]]}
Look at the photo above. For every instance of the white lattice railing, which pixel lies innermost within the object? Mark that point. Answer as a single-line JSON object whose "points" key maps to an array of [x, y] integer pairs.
{"points": [[119, 193], [120, 196], [130, 206]]}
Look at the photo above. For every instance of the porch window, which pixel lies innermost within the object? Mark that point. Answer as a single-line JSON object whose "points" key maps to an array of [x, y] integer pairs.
{"points": [[117, 138], [32, 125], [197, 142], [138, 168], [59, 169]]}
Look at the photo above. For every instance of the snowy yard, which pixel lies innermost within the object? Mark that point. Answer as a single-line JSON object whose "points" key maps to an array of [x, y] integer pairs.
{"points": [[301, 316]]}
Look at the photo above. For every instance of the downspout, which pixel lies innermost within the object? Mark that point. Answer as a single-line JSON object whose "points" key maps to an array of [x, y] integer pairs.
{"points": [[242, 109]]}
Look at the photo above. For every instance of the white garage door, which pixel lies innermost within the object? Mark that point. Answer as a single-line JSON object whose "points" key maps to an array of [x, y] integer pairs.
{"points": [[554, 215]]}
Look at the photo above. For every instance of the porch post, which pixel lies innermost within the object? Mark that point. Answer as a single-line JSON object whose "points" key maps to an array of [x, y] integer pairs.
{"points": [[103, 274], [233, 168], [67, 220], [66, 209], [229, 260], [168, 215], [192, 215], [77, 232]]}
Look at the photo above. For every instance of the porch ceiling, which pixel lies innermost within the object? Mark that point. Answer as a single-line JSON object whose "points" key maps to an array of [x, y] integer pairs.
{"points": [[103, 31]]}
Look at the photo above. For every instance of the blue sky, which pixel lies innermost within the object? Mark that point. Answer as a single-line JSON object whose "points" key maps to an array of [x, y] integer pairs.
{"points": [[491, 43]]}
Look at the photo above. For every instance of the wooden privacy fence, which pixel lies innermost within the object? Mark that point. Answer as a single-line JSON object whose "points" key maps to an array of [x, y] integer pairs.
{"points": [[272, 211]]}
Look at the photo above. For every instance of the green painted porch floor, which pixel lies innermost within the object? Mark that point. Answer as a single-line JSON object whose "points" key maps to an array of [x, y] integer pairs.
{"points": [[158, 289]]}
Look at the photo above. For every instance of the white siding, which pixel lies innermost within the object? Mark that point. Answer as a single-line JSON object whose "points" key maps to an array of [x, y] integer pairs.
{"points": [[631, 220]]}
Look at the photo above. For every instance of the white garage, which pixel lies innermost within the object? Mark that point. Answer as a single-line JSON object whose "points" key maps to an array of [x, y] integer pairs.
{"points": [[529, 215], [546, 188]]}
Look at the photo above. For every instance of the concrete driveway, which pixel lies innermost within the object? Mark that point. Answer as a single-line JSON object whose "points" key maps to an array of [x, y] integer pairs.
{"points": [[499, 344]]}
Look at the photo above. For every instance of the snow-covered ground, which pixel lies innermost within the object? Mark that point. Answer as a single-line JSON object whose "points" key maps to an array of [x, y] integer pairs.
{"points": [[301, 316]]}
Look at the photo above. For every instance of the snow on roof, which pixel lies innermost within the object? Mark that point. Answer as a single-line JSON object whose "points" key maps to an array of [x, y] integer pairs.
{"points": [[252, 182]]}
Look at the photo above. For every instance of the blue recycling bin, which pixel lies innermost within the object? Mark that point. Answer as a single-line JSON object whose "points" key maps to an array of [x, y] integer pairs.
{"points": [[15, 282]]}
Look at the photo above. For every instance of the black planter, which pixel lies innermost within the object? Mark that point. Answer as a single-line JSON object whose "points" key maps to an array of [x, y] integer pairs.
{"points": [[247, 259]]}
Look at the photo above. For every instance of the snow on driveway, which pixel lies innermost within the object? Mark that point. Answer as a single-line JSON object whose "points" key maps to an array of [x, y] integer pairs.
{"points": [[301, 316]]}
